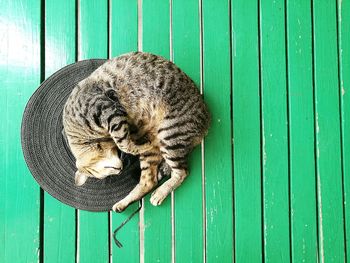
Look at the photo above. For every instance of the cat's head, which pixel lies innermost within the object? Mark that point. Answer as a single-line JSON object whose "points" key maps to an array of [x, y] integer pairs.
{"points": [[96, 159], [95, 152]]}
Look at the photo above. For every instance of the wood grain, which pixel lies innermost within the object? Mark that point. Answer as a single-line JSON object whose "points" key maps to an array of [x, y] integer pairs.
{"points": [[344, 67], [19, 77], [246, 132], [327, 127], [188, 197], [59, 219], [302, 155], [274, 132], [218, 143]]}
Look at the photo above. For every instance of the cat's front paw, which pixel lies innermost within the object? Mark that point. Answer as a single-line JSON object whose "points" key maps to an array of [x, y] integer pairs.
{"points": [[119, 207], [158, 196]]}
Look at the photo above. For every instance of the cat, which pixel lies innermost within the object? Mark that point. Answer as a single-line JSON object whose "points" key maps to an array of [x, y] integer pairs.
{"points": [[144, 105]]}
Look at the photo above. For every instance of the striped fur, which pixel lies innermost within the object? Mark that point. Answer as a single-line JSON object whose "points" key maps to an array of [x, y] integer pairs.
{"points": [[148, 107]]}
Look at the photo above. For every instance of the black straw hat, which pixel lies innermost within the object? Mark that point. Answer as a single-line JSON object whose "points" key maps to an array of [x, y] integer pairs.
{"points": [[48, 156]]}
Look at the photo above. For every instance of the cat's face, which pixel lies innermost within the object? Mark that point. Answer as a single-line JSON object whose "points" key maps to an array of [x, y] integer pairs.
{"points": [[97, 160]]}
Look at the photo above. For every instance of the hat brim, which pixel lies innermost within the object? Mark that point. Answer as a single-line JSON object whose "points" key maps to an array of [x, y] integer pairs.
{"points": [[48, 156]]}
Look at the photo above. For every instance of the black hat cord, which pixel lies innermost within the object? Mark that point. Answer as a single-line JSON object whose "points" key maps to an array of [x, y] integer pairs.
{"points": [[116, 241]]}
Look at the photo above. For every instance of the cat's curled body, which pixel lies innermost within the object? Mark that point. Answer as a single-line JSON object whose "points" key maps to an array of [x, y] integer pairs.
{"points": [[144, 105]]}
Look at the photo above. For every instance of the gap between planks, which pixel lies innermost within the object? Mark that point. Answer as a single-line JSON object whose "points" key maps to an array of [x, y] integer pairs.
{"points": [[77, 58], [142, 211], [201, 81]]}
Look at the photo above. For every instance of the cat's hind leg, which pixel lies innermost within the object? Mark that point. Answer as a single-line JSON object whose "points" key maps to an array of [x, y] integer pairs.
{"points": [[176, 157], [149, 168]]}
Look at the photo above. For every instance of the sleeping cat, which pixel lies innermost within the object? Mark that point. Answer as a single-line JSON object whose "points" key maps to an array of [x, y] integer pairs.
{"points": [[143, 105]]}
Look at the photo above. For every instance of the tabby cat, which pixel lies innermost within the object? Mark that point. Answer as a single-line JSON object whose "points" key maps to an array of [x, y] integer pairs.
{"points": [[144, 105]]}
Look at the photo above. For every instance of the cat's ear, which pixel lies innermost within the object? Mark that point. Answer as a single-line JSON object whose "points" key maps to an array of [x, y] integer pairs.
{"points": [[80, 178]]}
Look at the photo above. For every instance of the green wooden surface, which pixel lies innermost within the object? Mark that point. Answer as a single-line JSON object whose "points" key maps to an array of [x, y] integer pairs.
{"points": [[344, 68], [157, 220], [123, 32], [302, 154], [218, 143], [246, 132], [59, 219], [123, 27], [274, 131], [93, 43], [19, 76], [188, 197], [327, 126], [280, 193]]}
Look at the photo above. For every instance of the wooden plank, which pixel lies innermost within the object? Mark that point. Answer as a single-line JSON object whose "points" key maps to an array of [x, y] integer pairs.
{"points": [[327, 126], [246, 131], [157, 220], [124, 23], [218, 143], [274, 132], [302, 158], [19, 77], [93, 29], [124, 39], [344, 67], [59, 219], [188, 197], [93, 43]]}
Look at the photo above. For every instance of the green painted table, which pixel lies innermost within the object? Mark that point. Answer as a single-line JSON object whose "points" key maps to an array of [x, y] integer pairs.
{"points": [[271, 181]]}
